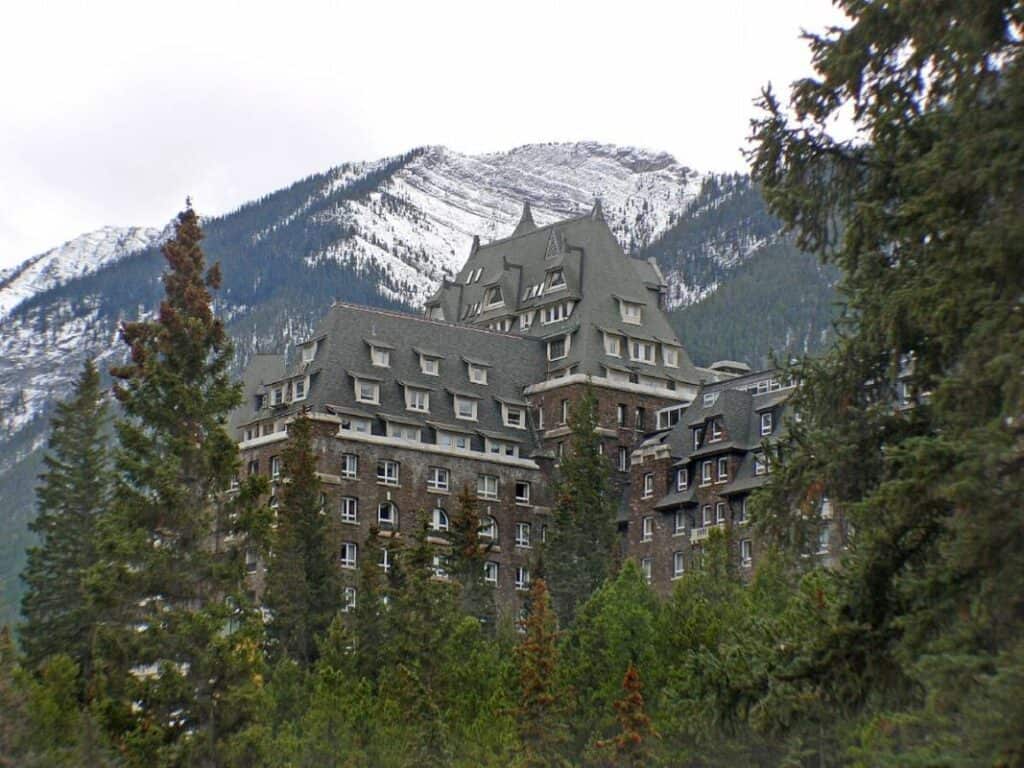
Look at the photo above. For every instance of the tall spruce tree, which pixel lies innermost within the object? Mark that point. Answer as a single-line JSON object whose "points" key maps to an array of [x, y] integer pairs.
{"points": [[582, 541], [303, 589], [466, 562], [179, 651], [74, 492], [913, 424]]}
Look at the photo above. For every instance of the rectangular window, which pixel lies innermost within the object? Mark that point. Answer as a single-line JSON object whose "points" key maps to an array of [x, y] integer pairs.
{"points": [[705, 515], [403, 432], [720, 512], [647, 530], [349, 465], [387, 515], [705, 472], [623, 463], [501, 448], [766, 423], [299, 389], [348, 599], [275, 466], [385, 560], [522, 578], [526, 320], [613, 345], [641, 352], [355, 425], [716, 430], [487, 487], [387, 472], [760, 464], [631, 312], [254, 467], [554, 313], [430, 366], [348, 554], [465, 408], [557, 348], [620, 414], [252, 561], [565, 412], [349, 509], [522, 534], [823, 540], [647, 566], [309, 352], [515, 416], [417, 399], [477, 374], [277, 396], [698, 436], [522, 492], [741, 515], [641, 417], [367, 391], [709, 399], [723, 469], [678, 565], [454, 440], [679, 522], [746, 552], [437, 479], [648, 485], [682, 479], [380, 357], [490, 572], [671, 357]]}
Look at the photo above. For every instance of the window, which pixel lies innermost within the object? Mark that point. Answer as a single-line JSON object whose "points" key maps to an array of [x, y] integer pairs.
{"points": [[641, 351], [254, 467], [565, 412], [705, 515], [709, 399], [490, 572], [454, 440], [252, 561], [647, 566], [648, 485], [299, 389], [465, 408], [387, 472], [716, 431], [367, 391], [349, 465], [723, 469], [705, 472], [679, 522], [403, 432], [387, 515], [487, 487], [274, 503], [522, 578], [555, 281], [671, 357], [522, 534], [430, 365], [631, 312], [439, 566], [439, 520], [493, 297], [760, 464], [558, 348], [741, 515], [554, 313], [526, 320], [540, 417], [514, 416], [477, 374], [641, 417], [380, 357], [275, 466], [613, 345], [522, 492], [720, 512], [678, 565], [277, 396], [698, 436], [348, 599], [417, 399], [384, 563], [309, 352], [349, 509], [543, 534], [682, 479], [746, 552], [623, 463], [823, 540], [437, 479], [348, 554], [647, 529], [620, 414], [766, 423], [355, 425], [488, 528]]}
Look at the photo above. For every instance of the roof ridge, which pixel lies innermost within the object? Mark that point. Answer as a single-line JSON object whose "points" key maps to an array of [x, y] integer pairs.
{"points": [[421, 319], [535, 231]]}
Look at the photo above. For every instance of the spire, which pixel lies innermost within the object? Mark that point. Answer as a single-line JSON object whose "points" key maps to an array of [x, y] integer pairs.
{"points": [[525, 221], [597, 212], [476, 245]]}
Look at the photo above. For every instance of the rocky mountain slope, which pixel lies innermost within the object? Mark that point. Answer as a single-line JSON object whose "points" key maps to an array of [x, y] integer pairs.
{"points": [[382, 232]]}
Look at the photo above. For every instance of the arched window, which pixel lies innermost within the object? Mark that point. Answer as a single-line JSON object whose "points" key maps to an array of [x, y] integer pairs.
{"points": [[439, 520], [488, 528], [387, 515]]}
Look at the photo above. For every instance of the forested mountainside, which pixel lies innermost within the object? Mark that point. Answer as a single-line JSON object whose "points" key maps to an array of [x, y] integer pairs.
{"points": [[385, 233]]}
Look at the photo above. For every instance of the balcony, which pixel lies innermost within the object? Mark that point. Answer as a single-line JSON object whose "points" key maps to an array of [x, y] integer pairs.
{"points": [[700, 534]]}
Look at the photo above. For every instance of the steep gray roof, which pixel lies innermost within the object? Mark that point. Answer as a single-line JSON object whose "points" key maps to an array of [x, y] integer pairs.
{"points": [[263, 368]]}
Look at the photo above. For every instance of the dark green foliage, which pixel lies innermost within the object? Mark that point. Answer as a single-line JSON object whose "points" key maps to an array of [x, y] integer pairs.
{"points": [[303, 589], [582, 540], [59, 616], [467, 558]]}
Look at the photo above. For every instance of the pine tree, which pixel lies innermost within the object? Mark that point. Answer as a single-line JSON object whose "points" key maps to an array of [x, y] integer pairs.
{"points": [[180, 652], [540, 714], [73, 494], [303, 584], [466, 562], [631, 747], [582, 541]]}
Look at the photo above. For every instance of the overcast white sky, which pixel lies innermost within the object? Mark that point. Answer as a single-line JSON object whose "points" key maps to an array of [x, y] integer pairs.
{"points": [[112, 113]]}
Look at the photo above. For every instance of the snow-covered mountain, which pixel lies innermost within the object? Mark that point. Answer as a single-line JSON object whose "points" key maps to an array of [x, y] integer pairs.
{"points": [[382, 232]]}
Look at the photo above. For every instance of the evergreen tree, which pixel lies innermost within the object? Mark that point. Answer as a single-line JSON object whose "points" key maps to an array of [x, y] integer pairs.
{"points": [[631, 747], [912, 424], [466, 562], [180, 653], [74, 492], [582, 541], [540, 714], [303, 589]]}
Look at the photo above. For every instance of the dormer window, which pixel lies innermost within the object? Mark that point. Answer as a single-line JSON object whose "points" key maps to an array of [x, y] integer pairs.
{"points": [[631, 312], [555, 280], [709, 399], [554, 313], [716, 430], [309, 352], [380, 356], [670, 356], [641, 351], [501, 448], [682, 479], [558, 348], [430, 366], [514, 416], [299, 389], [493, 297], [526, 320], [404, 432], [613, 345], [367, 391], [277, 396], [477, 374], [698, 437], [417, 399], [465, 408], [766, 423]]}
